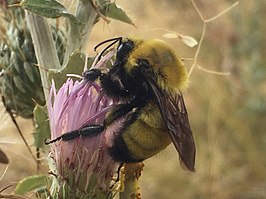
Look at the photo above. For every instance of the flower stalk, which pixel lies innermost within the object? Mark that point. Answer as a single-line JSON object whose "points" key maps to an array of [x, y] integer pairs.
{"points": [[44, 46], [78, 34], [131, 181]]}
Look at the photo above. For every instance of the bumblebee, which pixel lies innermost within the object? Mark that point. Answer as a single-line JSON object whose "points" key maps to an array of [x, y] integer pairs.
{"points": [[149, 78]]}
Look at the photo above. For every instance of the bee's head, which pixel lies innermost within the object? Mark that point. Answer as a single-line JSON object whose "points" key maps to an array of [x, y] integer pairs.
{"points": [[171, 74], [123, 50]]}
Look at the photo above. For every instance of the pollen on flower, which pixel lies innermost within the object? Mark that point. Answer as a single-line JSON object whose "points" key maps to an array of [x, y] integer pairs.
{"points": [[84, 159]]}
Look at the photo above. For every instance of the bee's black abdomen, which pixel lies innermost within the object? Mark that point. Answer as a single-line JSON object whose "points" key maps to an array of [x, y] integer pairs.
{"points": [[119, 152]]}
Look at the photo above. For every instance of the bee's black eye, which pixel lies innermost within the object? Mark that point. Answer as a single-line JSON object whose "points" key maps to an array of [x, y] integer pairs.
{"points": [[123, 50]]}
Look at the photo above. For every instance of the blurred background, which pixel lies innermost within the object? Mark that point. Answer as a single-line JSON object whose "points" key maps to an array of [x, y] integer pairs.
{"points": [[227, 112]]}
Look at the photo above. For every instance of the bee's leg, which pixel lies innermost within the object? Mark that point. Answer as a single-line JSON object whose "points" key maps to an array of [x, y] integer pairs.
{"points": [[92, 74], [117, 112], [90, 130], [112, 87]]}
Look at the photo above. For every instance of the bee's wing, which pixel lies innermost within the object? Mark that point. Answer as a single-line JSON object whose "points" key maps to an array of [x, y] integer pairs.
{"points": [[175, 116]]}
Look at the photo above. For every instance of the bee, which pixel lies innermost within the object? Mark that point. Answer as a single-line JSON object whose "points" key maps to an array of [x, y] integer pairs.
{"points": [[149, 78]]}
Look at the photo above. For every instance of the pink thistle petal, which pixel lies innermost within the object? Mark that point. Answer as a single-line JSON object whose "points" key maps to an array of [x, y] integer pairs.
{"points": [[76, 105]]}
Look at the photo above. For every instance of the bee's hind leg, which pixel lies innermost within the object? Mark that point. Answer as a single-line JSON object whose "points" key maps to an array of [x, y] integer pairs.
{"points": [[86, 131]]}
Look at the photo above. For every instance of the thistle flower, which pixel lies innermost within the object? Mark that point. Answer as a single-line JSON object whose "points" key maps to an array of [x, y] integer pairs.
{"points": [[84, 168]]}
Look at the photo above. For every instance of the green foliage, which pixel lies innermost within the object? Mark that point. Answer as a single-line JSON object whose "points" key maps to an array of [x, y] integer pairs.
{"points": [[42, 128], [69, 189], [36, 183], [49, 9], [112, 11], [74, 66], [20, 81]]}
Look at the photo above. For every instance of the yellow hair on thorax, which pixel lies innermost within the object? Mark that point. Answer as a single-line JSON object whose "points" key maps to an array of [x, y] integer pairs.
{"points": [[169, 69]]}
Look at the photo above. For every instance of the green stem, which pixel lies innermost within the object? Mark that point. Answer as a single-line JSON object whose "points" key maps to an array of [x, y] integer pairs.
{"points": [[44, 47], [78, 34]]}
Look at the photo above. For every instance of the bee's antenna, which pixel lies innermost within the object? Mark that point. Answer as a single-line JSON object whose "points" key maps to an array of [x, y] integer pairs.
{"points": [[106, 41], [113, 40]]}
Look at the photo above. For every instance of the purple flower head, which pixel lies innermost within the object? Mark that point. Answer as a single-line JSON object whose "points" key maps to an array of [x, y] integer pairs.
{"points": [[83, 160]]}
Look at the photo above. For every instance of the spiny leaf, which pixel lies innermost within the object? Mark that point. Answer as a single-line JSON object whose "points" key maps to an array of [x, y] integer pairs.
{"points": [[33, 183], [29, 71], [113, 11], [75, 65], [42, 128], [49, 9]]}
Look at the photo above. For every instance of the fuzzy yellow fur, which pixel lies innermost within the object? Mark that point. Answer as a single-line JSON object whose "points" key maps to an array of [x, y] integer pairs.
{"points": [[172, 74], [148, 134]]}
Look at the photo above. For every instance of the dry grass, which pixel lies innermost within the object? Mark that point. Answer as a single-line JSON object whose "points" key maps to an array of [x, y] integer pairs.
{"points": [[227, 112]]}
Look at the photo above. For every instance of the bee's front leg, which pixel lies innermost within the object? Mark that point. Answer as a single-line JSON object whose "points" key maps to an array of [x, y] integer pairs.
{"points": [[92, 74]]}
